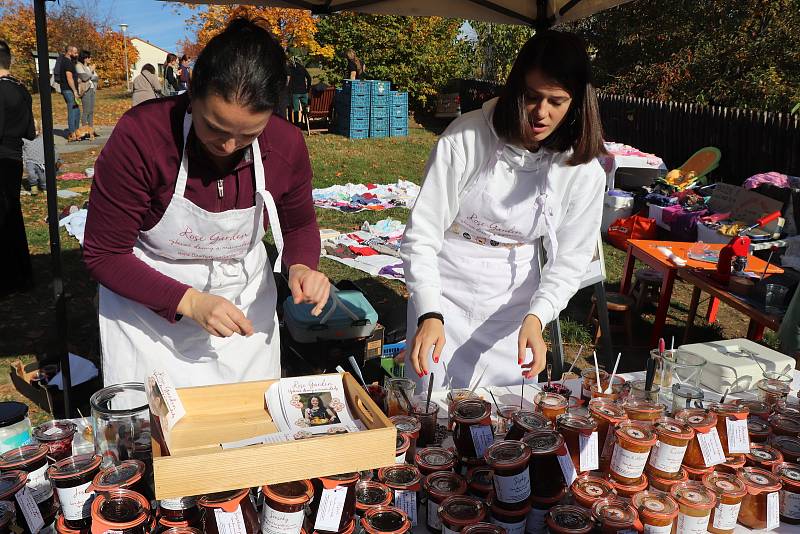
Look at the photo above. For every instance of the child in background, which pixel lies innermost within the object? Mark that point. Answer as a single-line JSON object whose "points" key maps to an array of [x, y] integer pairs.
{"points": [[33, 161]]}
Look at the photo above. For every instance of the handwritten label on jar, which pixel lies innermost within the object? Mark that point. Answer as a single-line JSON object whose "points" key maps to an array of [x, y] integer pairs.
{"points": [[433, 516], [407, 502], [738, 436], [536, 521], [589, 459], [513, 489], [628, 464], [773, 510], [39, 485], [666, 457], [725, 516], [688, 524], [511, 528], [711, 447], [53, 430], [567, 467], [275, 522], [329, 513], [482, 438], [608, 446], [33, 517], [230, 522], [790, 504], [652, 529], [76, 504]]}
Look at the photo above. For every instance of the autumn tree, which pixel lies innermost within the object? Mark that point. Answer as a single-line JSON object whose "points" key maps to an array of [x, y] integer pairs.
{"points": [[495, 48]]}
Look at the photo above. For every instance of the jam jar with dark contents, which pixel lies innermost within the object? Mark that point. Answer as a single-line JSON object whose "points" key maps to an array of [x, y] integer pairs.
{"points": [[406, 479], [695, 503], [483, 528], [702, 422], [763, 456], [762, 501], [625, 490], [587, 489], [385, 520], [613, 515], [569, 519], [371, 494], [129, 474], [725, 413], [664, 484], [758, 429], [510, 462], [607, 414], [573, 427], [524, 421], [330, 483], [72, 477], [643, 410], [511, 520], [657, 511], [468, 416], [479, 481], [551, 405], [730, 491], [459, 511], [666, 456], [180, 509], [544, 467], [402, 444], [58, 437], [539, 508], [120, 510], [32, 459], [789, 447], [30, 517], [438, 487], [758, 408], [165, 524], [634, 441], [410, 426], [284, 506], [784, 425], [62, 528], [182, 530], [771, 391], [432, 459], [589, 382], [789, 474], [229, 511]]}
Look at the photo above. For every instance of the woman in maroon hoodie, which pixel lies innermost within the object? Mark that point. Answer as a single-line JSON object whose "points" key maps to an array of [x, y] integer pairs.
{"points": [[182, 195]]}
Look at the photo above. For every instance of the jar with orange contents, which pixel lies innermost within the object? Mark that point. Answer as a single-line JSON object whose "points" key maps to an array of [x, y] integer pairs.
{"points": [[607, 414], [588, 489], [702, 422], [697, 473], [657, 511], [790, 492], [617, 385], [732, 464], [665, 484], [763, 456], [789, 446], [761, 506], [643, 410], [730, 490], [758, 429], [627, 491], [576, 429], [589, 382], [551, 405], [771, 391], [673, 438], [729, 415], [614, 515], [695, 503], [634, 441], [569, 519]]}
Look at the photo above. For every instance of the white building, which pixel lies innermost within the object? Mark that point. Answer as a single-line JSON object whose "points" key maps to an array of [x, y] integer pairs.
{"points": [[148, 53]]}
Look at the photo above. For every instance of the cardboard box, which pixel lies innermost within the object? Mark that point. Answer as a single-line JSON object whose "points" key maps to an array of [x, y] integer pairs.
{"points": [[197, 464]]}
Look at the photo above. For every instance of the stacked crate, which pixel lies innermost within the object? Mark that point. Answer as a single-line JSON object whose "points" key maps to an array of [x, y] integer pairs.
{"points": [[379, 108], [398, 114], [353, 109]]}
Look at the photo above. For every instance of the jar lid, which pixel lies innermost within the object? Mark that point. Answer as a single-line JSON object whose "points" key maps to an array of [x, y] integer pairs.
{"points": [[370, 493], [756, 425], [682, 476], [445, 483], [639, 433], [788, 445], [697, 418], [737, 411], [22, 455], [568, 517], [607, 409], [120, 509], [406, 424], [10, 483], [760, 480], [471, 411], [108, 401], [342, 479], [402, 443], [54, 431], [614, 513], [770, 385], [672, 428], [728, 484], [550, 400], [655, 505], [785, 422], [544, 441], [694, 495], [119, 476], [642, 406], [433, 457], [74, 467], [507, 454], [591, 487], [530, 421], [290, 493], [760, 453], [697, 473], [754, 405], [12, 412], [227, 500], [789, 473], [399, 475], [481, 477], [385, 520], [735, 461], [460, 511], [483, 528], [515, 515], [579, 423]]}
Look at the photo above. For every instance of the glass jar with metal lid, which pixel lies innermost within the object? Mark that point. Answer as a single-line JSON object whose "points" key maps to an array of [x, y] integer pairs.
{"points": [[432, 459], [695, 503], [789, 474], [771, 391], [180, 509], [459, 511], [539, 508], [589, 382], [545, 446], [438, 487], [673, 438], [229, 511], [525, 421], [730, 490], [569, 519], [15, 427], [31, 518], [121, 510], [510, 461], [697, 473], [385, 520], [612, 515], [284, 506], [657, 511], [761, 505]]}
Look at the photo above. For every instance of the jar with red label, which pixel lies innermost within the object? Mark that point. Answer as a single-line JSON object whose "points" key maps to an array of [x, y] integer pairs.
{"points": [[589, 382], [657, 511], [634, 441], [479, 481], [30, 517], [576, 430], [758, 408], [385, 520], [673, 438], [432, 459], [728, 414], [697, 473], [789, 474], [545, 446], [410, 426], [473, 428], [789, 447], [607, 414], [511, 520], [588, 489], [229, 511], [695, 503], [569, 519], [324, 487], [523, 422], [758, 429], [763, 456], [613, 515], [551, 405], [284, 506], [180, 509], [732, 463], [730, 490], [771, 391], [371, 494], [58, 437], [539, 508], [129, 474], [402, 443], [459, 511], [664, 484], [72, 477], [643, 410], [438, 487], [32, 459], [702, 422], [512, 484], [120, 510], [784, 425], [761, 506], [626, 491]]}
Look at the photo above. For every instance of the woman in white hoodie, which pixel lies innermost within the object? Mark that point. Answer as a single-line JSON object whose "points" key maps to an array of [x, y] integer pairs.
{"points": [[500, 178]]}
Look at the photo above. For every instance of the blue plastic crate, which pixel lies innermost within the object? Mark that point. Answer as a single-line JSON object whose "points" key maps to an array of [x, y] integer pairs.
{"points": [[354, 123], [379, 123], [356, 134], [357, 87], [379, 87], [399, 99], [398, 112], [380, 101], [354, 100], [398, 132], [379, 111], [393, 349], [353, 112], [398, 122], [379, 133]]}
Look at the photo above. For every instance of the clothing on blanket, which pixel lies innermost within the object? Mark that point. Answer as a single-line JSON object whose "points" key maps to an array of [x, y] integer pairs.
{"points": [[356, 197]]}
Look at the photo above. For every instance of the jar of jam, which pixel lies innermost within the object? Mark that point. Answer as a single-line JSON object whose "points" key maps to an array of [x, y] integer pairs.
{"points": [[789, 446], [120, 510], [163, 525], [404, 481], [473, 429], [184, 530], [697, 473], [589, 382], [350, 528], [30, 517], [730, 490], [732, 464], [616, 389], [438, 487], [385, 520], [577, 430], [504, 418], [62, 528], [459, 511], [758, 429], [539, 508], [551, 405], [761, 506], [569, 519], [588, 489], [402, 444], [284, 506], [612, 515], [763, 456], [427, 413], [657, 511], [32, 459], [665, 484], [790, 492], [72, 477], [523, 422], [371, 494], [512, 484], [180, 509], [771, 391], [634, 441], [672, 439], [695, 503], [511, 520], [702, 422], [607, 414], [129, 474], [324, 485], [643, 410], [784, 425], [432, 459], [410, 426], [626, 491], [729, 414], [758, 408], [479, 481], [57, 436], [544, 467], [483, 528], [229, 511]]}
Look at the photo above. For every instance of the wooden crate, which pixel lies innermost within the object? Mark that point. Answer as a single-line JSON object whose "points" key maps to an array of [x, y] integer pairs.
{"points": [[197, 464]]}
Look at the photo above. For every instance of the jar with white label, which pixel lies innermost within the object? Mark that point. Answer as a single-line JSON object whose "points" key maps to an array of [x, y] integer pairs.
{"points": [[702, 422], [763, 456], [229, 511], [121, 510], [657, 511], [673, 438], [180, 509], [29, 516], [634, 441], [588, 489], [371, 494], [789, 447], [71, 477], [613, 515], [438, 487], [575, 429], [627, 491], [432, 459], [695, 503], [544, 467], [284, 506], [728, 414], [33, 460], [469, 415], [345, 507], [761, 506], [569, 519], [15, 427], [512, 485], [402, 443], [411, 427], [790, 492], [730, 491], [386, 520], [758, 429], [607, 414], [664, 484], [460, 511], [513, 521]]}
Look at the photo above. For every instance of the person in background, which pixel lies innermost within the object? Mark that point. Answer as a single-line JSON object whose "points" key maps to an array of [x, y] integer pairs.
{"points": [[299, 86], [16, 124], [355, 67], [69, 90], [184, 73], [87, 88], [171, 86], [145, 85], [33, 160]]}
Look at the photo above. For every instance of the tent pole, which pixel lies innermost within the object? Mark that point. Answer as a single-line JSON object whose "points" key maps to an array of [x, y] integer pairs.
{"points": [[52, 199]]}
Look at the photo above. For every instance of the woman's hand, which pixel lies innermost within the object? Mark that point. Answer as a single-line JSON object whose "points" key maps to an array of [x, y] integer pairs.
{"points": [[217, 315], [429, 334], [530, 337], [309, 286]]}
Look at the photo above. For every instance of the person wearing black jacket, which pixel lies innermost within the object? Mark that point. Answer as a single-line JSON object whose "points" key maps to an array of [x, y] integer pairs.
{"points": [[171, 85], [16, 124], [299, 86]]}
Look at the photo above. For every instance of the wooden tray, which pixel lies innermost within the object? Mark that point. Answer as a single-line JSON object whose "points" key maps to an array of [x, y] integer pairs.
{"points": [[197, 464]]}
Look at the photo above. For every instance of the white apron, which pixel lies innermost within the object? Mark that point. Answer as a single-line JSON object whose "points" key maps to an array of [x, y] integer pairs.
{"points": [[489, 270], [218, 253]]}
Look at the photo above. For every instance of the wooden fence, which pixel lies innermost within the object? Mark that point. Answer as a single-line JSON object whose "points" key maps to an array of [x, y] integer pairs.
{"points": [[750, 141]]}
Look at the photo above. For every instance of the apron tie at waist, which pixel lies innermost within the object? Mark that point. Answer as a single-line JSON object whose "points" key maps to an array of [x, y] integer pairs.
{"points": [[274, 226]]}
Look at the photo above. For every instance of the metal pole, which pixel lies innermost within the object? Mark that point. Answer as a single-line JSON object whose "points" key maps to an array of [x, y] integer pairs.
{"points": [[60, 301]]}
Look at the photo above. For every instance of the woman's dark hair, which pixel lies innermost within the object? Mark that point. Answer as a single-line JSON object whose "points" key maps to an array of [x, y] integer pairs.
{"points": [[321, 404], [560, 57], [84, 55], [184, 57], [351, 55], [243, 64], [170, 58], [5, 55], [149, 68]]}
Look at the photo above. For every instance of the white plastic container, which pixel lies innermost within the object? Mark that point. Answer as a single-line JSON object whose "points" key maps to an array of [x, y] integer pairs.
{"points": [[615, 207], [15, 427]]}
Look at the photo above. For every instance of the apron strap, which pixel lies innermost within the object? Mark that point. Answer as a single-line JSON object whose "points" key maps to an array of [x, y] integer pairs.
{"points": [[183, 172], [269, 202]]}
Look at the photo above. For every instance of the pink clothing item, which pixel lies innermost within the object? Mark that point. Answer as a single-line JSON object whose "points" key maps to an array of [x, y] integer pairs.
{"points": [[775, 178]]}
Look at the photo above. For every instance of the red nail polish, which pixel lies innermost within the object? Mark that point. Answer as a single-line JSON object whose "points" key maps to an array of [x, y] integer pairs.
{"points": [[420, 375]]}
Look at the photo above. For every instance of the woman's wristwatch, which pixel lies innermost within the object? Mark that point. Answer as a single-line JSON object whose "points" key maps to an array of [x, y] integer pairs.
{"points": [[430, 315]]}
